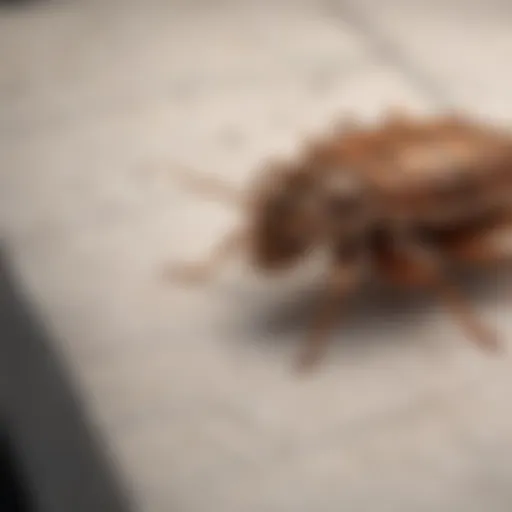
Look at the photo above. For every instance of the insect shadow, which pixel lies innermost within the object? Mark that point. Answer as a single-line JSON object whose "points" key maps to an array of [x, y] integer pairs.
{"points": [[378, 315]]}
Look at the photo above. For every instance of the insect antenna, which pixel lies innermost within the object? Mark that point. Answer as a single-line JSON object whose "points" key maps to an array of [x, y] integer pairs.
{"points": [[207, 186], [203, 271]]}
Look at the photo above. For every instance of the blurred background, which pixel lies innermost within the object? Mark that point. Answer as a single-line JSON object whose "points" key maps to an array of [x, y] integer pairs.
{"points": [[121, 392]]}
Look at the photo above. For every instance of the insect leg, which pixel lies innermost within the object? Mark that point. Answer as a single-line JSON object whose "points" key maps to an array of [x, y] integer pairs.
{"points": [[203, 271], [467, 317], [491, 245], [340, 284], [419, 269]]}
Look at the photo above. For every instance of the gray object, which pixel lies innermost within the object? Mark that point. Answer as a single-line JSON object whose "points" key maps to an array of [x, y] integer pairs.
{"points": [[63, 466]]}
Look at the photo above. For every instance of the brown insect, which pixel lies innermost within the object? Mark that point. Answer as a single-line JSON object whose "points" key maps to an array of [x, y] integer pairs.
{"points": [[404, 201]]}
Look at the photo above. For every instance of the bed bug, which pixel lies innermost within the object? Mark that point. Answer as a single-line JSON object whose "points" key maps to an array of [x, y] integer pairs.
{"points": [[403, 201]]}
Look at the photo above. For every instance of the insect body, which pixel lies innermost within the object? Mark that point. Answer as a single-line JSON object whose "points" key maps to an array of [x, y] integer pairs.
{"points": [[404, 201], [436, 172]]}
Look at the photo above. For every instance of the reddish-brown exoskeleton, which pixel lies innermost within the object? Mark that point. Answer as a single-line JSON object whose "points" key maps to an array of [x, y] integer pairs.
{"points": [[403, 201]]}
